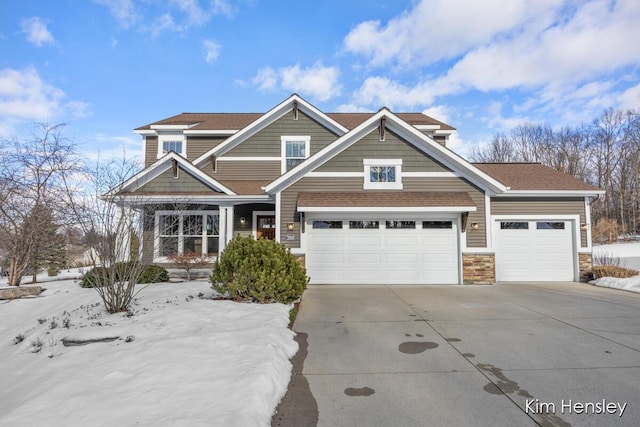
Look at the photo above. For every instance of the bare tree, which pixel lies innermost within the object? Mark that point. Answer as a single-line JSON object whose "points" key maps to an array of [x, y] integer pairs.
{"points": [[32, 176]]}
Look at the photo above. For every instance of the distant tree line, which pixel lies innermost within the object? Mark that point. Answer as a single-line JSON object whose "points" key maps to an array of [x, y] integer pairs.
{"points": [[604, 153]]}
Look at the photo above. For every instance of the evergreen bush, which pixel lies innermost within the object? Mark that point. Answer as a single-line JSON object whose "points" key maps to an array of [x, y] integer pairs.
{"points": [[99, 276], [260, 270]]}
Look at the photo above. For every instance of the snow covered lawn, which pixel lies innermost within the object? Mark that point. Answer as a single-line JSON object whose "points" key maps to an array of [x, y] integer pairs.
{"points": [[629, 254], [181, 359]]}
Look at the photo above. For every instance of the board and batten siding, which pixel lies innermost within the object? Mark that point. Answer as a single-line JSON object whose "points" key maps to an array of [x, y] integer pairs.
{"points": [[541, 206], [267, 142], [289, 198], [166, 183], [370, 147]]}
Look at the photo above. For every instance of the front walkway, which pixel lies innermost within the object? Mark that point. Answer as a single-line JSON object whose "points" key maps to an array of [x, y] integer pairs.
{"points": [[502, 355]]}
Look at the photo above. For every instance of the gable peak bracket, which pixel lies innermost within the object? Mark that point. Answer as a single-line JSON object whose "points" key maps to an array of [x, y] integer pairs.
{"points": [[381, 129], [295, 110], [175, 168]]}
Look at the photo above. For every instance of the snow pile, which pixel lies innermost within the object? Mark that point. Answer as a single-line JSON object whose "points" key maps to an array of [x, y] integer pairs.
{"points": [[631, 284], [629, 253], [180, 359]]}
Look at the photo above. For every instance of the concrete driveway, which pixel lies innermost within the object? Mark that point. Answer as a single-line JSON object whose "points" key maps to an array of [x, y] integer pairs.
{"points": [[514, 354]]}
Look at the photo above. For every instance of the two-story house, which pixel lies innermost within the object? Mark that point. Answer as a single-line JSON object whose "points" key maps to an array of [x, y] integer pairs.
{"points": [[363, 198]]}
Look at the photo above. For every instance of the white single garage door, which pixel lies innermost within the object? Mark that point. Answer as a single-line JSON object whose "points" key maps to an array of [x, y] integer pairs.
{"points": [[382, 251], [534, 250]]}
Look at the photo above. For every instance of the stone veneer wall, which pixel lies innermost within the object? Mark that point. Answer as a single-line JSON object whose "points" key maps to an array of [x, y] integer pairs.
{"points": [[585, 263], [478, 269]]}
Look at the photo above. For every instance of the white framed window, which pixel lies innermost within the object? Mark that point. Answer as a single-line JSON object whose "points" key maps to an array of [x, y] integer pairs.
{"points": [[180, 232], [382, 174], [295, 149], [174, 141]]}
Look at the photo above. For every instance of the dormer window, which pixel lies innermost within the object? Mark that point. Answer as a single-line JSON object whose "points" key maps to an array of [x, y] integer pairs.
{"points": [[382, 174], [173, 141], [295, 149]]}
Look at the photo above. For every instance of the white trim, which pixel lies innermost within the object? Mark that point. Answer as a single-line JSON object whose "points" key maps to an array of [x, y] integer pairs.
{"points": [[278, 215], [481, 251], [283, 148], [488, 224], [156, 231], [419, 140], [550, 193], [171, 137], [427, 127], [162, 165], [136, 200], [587, 220], [254, 220], [450, 209], [336, 174], [394, 163], [575, 219], [173, 127], [213, 132], [430, 175], [249, 159], [445, 132], [145, 132], [144, 151]]}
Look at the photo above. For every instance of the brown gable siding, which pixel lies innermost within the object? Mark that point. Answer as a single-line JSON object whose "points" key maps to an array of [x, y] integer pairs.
{"points": [[289, 197], [250, 170], [166, 183], [267, 142], [370, 147], [198, 145], [150, 150], [541, 206]]}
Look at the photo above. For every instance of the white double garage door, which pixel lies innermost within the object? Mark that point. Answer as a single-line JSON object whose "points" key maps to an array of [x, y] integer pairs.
{"points": [[389, 250], [385, 249]]}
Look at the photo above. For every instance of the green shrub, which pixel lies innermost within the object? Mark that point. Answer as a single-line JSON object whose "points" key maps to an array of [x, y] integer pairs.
{"points": [[613, 271], [100, 276], [153, 274], [261, 270]]}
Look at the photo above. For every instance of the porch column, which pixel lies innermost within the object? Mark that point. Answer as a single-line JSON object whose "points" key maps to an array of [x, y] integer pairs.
{"points": [[123, 235], [226, 226]]}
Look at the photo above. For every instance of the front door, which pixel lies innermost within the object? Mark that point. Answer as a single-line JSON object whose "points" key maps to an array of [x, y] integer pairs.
{"points": [[266, 227]]}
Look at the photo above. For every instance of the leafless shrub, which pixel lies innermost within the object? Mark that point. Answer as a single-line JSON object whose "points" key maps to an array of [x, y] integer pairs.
{"points": [[613, 271]]}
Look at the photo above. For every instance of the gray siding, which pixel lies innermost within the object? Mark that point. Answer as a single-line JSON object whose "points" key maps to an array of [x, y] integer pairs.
{"points": [[541, 206], [244, 170], [289, 199], [267, 142], [151, 150], [165, 182], [198, 145], [370, 147]]}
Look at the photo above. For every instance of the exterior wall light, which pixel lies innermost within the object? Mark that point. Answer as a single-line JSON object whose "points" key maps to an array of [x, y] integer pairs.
{"points": [[290, 226], [583, 226], [474, 225], [243, 220]]}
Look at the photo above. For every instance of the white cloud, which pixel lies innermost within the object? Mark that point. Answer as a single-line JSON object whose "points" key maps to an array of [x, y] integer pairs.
{"points": [[317, 81], [123, 11], [36, 31], [196, 15], [630, 99], [213, 50], [162, 23], [222, 7], [441, 29], [24, 95]]}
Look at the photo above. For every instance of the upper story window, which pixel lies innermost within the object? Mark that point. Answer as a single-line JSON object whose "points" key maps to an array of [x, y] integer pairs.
{"points": [[382, 174], [174, 141], [295, 149]]}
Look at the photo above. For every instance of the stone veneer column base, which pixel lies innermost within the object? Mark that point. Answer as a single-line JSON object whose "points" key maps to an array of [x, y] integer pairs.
{"points": [[478, 269], [585, 264]]}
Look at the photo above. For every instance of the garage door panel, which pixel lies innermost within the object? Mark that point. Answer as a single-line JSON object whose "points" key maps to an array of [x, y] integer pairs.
{"points": [[539, 253], [383, 256]]}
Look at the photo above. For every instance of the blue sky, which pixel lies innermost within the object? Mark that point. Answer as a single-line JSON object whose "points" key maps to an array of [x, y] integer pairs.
{"points": [[105, 67]]}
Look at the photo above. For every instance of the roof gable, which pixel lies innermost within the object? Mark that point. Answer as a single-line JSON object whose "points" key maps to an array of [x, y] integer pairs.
{"points": [[287, 106], [405, 131], [164, 164]]}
